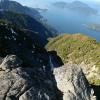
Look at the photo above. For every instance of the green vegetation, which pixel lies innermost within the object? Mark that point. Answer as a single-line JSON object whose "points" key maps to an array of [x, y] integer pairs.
{"points": [[76, 48]]}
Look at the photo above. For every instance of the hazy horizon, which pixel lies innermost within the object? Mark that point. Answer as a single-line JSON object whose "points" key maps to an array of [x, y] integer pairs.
{"points": [[45, 3]]}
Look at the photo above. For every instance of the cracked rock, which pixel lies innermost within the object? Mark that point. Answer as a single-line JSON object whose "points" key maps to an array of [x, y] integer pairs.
{"points": [[23, 83], [73, 83]]}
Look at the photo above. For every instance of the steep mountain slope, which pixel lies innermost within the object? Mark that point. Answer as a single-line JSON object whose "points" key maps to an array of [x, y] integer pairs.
{"points": [[25, 73], [81, 50], [17, 7], [26, 22], [16, 41]]}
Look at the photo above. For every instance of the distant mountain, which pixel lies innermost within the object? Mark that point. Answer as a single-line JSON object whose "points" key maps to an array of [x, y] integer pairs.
{"points": [[79, 4], [17, 7], [27, 23], [76, 6], [25, 17]]}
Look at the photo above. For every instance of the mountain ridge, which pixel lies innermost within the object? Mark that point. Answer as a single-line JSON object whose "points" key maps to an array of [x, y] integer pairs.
{"points": [[17, 7], [26, 22]]}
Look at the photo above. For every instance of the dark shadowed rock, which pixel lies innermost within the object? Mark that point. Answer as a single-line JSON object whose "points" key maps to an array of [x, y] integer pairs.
{"points": [[33, 83], [24, 83]]}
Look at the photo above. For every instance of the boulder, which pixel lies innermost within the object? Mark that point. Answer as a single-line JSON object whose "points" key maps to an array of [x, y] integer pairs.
{"points": [[73, 83]]}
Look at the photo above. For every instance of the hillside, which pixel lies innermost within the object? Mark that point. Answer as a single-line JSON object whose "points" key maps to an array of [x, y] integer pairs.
{"points": [[14, 6], [26, 22], [81, 50]]}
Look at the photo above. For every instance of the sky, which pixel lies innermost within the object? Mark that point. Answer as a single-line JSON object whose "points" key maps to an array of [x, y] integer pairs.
{"points": [[45, 3]]}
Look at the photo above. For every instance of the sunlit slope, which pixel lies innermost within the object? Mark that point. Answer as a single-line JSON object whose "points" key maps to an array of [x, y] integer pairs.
{"points": [[78, 49]]}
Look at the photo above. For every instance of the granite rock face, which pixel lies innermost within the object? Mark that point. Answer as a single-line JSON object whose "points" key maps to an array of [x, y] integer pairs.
{"points": [[19, 83], [24, 83], [73, 83]]}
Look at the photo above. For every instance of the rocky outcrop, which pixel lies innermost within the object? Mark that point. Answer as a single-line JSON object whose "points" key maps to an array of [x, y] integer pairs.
{"points": [[73, 83], [24, 83], [19, 83]]}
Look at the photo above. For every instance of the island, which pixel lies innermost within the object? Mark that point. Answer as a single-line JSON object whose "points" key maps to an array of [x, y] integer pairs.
{"points": [[93, 26], [77, 6]]}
